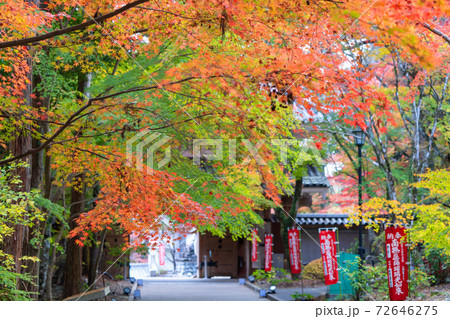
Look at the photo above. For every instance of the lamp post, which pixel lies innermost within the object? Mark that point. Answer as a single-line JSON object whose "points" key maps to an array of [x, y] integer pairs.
{"points": [[358, 135]]}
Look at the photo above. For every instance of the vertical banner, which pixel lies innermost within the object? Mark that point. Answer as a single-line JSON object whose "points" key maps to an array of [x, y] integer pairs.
{"points": [[268, 240], [294, 250], [162, 254], [396, 257], [328, 249], [254, 245]]}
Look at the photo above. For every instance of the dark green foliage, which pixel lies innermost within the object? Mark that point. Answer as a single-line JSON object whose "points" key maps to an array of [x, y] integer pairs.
{"points": [[437, 266], [273, 277], [302, 297]]}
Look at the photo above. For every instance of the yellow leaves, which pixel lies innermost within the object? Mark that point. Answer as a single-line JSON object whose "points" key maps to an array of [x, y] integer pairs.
{"points": [[32, 258], [437, 182], [431, 225], [378, 211]]}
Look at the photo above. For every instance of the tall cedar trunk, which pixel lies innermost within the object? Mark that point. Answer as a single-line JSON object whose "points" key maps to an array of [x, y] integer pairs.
{"points": [[37, 172], [73, 268], [18, 244], [14, 244], [47, 249], [288, 221]]}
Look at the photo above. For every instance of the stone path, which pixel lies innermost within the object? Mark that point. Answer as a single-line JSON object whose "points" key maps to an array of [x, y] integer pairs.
{"points": [[197, 290]]}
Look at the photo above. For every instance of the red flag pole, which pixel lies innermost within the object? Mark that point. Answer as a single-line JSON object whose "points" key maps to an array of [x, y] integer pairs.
{"points": [[300, 246], [408, 238], [338, 259]]}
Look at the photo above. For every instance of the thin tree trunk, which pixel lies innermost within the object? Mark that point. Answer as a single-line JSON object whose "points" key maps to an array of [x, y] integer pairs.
{"points": [[46, 252], [96, 253], [37, 173], [288, 221], [73, 268], [51, 266]]}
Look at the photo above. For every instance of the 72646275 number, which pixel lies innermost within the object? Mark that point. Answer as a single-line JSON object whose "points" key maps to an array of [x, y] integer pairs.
{"points": [[407, 310]]}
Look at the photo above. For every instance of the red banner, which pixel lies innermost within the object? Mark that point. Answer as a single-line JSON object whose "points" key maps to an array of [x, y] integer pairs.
{"points": [[254, 245], [328, 248], [268, 240], [162, 255], [294, 250], [396, 257]]}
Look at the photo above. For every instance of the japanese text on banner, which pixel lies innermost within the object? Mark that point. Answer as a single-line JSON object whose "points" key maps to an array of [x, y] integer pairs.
{"points": [[268, 252], [396, 257], [294, 250], [328, 249]]}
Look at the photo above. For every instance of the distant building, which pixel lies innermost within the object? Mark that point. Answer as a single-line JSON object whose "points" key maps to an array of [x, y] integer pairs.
{"points": [[310, 224]]}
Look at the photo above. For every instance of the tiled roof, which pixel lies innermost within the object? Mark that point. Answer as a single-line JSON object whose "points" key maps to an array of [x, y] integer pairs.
{"points": [[323, 219], [315, 178]]}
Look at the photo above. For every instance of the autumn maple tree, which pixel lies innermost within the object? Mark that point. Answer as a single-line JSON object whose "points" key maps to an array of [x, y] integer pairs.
{"points": [[78, 79]]}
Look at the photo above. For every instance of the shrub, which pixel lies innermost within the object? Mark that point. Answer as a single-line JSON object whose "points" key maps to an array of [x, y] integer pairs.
{"points": [[17, 208], [119, 277], [261, 274], [273, 277], [302, 297], [437, 266], [373, 280], [314, 270]]}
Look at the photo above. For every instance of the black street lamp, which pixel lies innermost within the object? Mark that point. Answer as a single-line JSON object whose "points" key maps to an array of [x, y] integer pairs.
{"points": [[359, 136]]}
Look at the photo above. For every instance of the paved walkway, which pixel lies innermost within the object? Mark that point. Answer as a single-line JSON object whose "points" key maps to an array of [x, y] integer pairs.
{"points": [[197, 290]]}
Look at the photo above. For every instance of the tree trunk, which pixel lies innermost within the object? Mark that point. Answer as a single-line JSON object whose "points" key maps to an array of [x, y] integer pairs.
{"points": [[14, 244], [73, 268], [96, 253], [289, 221], [37, 173], [51, 267], [18, 244]]}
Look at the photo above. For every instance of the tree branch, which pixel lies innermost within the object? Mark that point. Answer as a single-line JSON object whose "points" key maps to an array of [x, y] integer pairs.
{"points": [[80, 26], [168, 12], [50, 139], [435, 120], [142, 88], [437, 32], [77, 115]]}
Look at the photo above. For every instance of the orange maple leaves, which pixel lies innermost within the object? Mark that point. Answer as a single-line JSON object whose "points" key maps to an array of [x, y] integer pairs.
{"points": [[141, 203]]}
